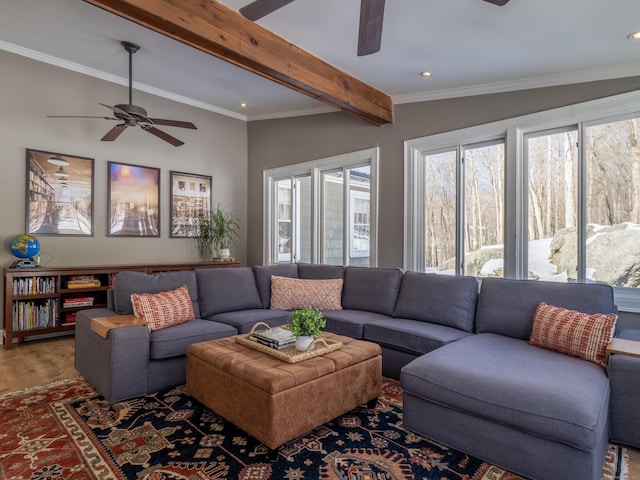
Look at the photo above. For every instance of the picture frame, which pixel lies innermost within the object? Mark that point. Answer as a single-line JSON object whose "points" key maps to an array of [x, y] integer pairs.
{"points": [[190, 197], [133, 200], [59, 194]]}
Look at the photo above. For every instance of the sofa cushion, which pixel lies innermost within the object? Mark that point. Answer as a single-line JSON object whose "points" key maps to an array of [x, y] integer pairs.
{"points": [[263, 278], [371, 289], [173, 342], [126, 283], [443, 299], [574, 333], [164, 309], [295, 293], [226, 290], [412, 336], [506, 307], [351, 322], [319, 270], [244, 320], [512, 383]]}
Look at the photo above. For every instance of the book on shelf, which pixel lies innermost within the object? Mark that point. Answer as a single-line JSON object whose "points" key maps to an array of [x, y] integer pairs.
{"points": [[68, 319]]}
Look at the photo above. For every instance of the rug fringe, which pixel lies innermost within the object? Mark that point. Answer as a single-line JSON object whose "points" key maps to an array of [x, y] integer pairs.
{"points": [[64, 381]]}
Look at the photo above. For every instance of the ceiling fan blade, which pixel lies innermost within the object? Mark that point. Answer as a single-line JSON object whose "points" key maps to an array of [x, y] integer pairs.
{"points": [[260, 8], [172, 123], [370, 32], [164, 136], [117, 110], [500, 3], [114, 133], [79, 116]]}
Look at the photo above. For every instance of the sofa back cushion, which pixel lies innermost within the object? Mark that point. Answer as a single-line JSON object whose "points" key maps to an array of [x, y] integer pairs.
{"points": [[443, 299], [226, 290], [127, 283], [371, 289], [319, 271], [507, 307], [263, 278]]}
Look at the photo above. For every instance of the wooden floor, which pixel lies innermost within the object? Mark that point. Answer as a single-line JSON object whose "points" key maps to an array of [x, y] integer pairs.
{"points": [[36, 362], [40, 362]]}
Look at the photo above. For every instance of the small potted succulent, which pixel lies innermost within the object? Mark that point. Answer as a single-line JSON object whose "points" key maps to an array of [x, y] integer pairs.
{"points": [[306, 324]]}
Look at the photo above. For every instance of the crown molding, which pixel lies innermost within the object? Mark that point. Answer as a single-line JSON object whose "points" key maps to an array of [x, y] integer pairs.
{"points": [[580, 76], [92, 72]]}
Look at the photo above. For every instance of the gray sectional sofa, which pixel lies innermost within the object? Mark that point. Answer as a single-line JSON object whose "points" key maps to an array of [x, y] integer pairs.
{"points": [[470, 378]]}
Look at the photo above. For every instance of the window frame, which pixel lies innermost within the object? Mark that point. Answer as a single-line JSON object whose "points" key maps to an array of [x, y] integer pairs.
{"points": [[516, 178], [314, 169]]}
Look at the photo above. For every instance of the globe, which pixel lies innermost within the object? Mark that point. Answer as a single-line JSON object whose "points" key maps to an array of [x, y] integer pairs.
{"points": [[24, 246]]}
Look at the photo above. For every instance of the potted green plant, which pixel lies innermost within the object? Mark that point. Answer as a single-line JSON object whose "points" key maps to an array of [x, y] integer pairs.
{"points": [[306, 324], [218, 232]]}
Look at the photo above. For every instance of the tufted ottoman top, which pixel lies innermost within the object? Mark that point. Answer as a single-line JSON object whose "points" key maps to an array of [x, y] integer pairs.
{"points": [[271, 375]]}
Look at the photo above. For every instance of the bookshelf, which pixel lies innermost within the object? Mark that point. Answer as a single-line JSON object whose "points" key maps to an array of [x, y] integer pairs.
{"points": [[44, 301]]}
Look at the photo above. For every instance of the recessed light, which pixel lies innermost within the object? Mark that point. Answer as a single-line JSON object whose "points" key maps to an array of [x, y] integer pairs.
{"points": [[426, 74], [634, 36]]}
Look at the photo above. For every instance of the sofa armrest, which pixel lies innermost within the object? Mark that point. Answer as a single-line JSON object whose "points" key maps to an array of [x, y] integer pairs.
{"points": [[118, 365]]}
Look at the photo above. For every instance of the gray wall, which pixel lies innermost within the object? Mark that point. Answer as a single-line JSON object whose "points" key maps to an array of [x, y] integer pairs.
{"points": [[275, 143], [31, 90]]}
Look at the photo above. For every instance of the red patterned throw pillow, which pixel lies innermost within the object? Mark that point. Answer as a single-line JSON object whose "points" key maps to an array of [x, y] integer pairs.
{"points": [[164, 309], [574, 333], [294, 293]]}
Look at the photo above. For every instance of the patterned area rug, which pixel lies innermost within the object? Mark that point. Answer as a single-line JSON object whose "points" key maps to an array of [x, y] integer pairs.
{"points": [[67, 431]]}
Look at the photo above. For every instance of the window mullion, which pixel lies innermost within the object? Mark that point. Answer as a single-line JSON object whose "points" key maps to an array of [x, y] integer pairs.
{"points": [[460, 205], [582, 206]]}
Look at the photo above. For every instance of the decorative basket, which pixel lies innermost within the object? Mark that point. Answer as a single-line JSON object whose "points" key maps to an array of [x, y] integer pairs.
{"points": [[318, 347]]}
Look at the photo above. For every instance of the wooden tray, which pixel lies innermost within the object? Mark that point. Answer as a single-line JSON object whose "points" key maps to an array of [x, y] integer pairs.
{"points": [[318, 347]]}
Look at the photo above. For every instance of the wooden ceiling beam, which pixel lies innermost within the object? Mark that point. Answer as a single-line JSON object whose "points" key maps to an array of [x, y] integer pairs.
{"points": [[222, 32]]}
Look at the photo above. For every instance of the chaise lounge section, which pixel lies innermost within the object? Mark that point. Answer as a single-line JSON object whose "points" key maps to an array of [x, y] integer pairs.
{"points": [[531, 410]]}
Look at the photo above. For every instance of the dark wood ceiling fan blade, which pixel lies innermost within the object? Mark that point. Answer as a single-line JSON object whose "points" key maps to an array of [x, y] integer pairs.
{"points": [[164, 136], [173, 123], [370, 30], [116, 110], [114, 133], [500, 3], [80, 116], [260, 8]]}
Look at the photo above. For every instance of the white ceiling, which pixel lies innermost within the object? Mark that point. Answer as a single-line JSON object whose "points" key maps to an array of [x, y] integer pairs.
{"points": [[471, 46]]}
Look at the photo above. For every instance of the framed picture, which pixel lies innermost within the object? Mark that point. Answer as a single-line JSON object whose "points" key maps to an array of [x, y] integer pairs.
{"points": [[134, 200], [59, 194], [190, 198]]}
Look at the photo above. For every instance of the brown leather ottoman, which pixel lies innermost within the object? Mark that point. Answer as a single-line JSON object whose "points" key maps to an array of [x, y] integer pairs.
{"points": [[275, 401]]}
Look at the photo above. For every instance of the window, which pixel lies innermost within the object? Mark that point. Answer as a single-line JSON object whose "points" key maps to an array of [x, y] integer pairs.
{"points": [[462, 227], [323, 211], [550, 196]]}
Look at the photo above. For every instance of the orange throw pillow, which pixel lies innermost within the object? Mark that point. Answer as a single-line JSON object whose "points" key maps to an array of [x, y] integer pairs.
{"points": [[295, 293], [164, 309], [574, 333]]}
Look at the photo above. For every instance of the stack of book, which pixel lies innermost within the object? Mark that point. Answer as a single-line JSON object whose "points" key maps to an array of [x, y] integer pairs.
{"points": [[78, 302], [277, 337], [83, 281]]}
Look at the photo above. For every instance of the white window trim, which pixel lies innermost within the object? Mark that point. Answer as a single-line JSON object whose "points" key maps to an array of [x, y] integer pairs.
{"points": [[513, 129], [314, 168]]}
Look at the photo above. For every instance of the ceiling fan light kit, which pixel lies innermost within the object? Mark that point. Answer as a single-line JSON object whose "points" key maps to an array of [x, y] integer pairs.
{"points": [[132, 115]]}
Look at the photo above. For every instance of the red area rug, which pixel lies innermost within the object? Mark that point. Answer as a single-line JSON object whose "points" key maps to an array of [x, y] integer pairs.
{"points": [[67, 431]]}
